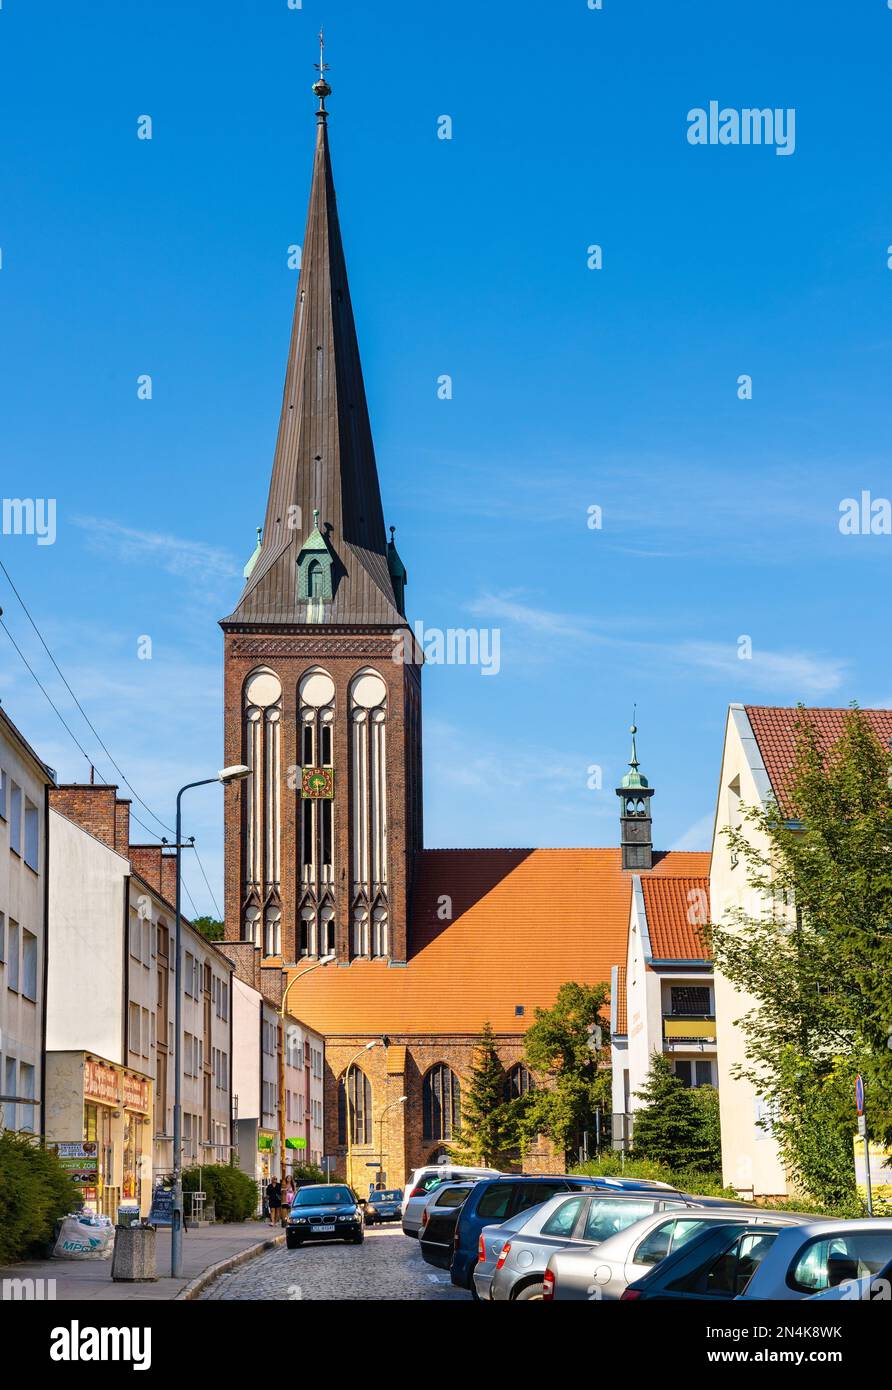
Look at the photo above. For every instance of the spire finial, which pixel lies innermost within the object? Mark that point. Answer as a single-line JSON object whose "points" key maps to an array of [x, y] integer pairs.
{"points": [[316, 518], [320, 86], [633, 761]]}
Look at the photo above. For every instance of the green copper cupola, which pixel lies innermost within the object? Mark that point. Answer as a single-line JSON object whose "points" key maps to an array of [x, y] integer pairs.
{"points": [[635, 821]]}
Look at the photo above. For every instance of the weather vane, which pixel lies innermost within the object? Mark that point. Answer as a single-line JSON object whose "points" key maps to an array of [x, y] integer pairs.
{"points": [[321, 87]]}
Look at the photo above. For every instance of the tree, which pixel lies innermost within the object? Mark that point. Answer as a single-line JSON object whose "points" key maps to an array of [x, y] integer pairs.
{"points": [[568, 1044], [672, 1127], [815, 952], [210, 927], [484, 1138]]}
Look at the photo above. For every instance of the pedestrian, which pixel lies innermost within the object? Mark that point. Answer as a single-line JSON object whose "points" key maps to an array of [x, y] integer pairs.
{"points": [[274, 1201], [288, 1196]]}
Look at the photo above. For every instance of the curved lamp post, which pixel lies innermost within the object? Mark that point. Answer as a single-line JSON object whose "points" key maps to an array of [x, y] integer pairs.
{"points": [[324, 960], [374, 1042], [236, 773], [401, 1100]]}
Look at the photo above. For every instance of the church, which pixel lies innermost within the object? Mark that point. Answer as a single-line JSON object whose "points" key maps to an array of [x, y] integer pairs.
{"points": [[397, 954]]}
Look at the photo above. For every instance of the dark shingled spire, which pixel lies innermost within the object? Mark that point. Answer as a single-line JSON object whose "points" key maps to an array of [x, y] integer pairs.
{"points": [[324, 455]]}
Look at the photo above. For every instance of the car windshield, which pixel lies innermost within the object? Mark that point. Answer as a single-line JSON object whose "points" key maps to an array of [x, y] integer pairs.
{"points": [[323, 1197], [386, 1197]]}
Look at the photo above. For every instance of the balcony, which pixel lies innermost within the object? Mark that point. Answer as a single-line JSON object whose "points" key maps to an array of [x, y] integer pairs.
{"points": [[681, 1030]]}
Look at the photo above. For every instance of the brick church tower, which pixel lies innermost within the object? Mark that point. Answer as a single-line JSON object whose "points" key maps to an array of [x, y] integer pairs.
{"points": [[321, 841]]}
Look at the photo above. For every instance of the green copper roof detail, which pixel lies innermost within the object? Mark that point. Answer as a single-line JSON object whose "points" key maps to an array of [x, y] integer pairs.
{"points": [[633, 777], [254, 555]]}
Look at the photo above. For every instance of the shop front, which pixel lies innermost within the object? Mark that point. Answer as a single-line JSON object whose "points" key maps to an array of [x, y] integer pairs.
{"points": [[107, 1110]]}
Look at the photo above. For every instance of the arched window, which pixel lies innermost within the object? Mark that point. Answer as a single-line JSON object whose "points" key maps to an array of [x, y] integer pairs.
{"points": [[316, 706], [368, 716], [518, 1082], [360, 1097], [441, 1103], [315, 581], [262, 731]]}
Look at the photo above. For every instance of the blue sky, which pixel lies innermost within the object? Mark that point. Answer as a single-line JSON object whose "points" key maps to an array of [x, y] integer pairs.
{"points": [[572, 388]]}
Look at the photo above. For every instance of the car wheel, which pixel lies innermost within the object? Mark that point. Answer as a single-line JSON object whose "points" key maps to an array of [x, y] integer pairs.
{"points": [[528, 1293]]}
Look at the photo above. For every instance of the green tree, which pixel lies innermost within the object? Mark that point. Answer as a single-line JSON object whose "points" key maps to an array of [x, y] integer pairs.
{"points": [[671, 1127], [814, 949], [35, 1191], [210, 927], [568, 1045], [486, 1130]]}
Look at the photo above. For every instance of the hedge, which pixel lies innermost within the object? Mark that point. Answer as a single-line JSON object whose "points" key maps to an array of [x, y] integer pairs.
{"points": [[232, 1192], [35, 1191]]}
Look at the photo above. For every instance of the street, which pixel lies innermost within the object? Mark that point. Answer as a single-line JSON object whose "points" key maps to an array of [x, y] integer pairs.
{"points": [[388, 1265]]}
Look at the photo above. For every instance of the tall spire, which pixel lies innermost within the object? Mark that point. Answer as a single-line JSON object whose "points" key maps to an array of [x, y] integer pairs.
{"points": [[324, 454]]}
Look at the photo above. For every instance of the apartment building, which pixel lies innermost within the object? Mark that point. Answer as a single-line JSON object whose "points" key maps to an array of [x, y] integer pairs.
{"points": [[111, 1002], [24, 783]]}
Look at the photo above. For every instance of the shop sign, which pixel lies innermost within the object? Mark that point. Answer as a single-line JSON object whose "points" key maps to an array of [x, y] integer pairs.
{"points": [[100, 1082], [296, 1142], [265, 1143], [136, 1092], [80, 1161]]}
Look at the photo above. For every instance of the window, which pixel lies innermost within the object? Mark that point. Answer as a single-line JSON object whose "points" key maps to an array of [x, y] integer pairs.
{"points": [[691, 1000], [15, 817], [518, 1082], [2, 938], [32, 834], [451, 1196], [531, 1194], [562, 1221], [9, 1086], [189, 973], [830, 1260], [2, 795], [368, 715], [669, 1235], [360, 1109], [441, 1103], [495, 1203], [146, 1032], [728, 1275], [608, 1215], [272, 932], [12, 965], [29, 965], [134, 935], [133, 1024], [26, 1090], [695, 1071]]}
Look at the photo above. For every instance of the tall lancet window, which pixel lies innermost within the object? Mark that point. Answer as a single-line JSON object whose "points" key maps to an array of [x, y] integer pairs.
{"points": [[316, 706], [263, 754], [368, 716]]}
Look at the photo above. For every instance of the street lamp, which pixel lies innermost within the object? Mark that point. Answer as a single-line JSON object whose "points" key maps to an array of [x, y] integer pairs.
{"points": [[374, 1042], [323, 960], [237, 773], [401, 1100]]}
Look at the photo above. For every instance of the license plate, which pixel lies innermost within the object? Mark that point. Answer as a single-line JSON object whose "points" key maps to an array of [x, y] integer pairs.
{"points": [[324, 1229]]}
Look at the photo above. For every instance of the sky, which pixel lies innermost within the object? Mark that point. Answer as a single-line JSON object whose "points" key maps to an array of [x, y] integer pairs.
{"points": [[718, 572]]}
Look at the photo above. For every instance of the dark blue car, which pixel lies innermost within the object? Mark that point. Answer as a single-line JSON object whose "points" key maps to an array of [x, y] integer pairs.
{"points": [[494, 1200]]}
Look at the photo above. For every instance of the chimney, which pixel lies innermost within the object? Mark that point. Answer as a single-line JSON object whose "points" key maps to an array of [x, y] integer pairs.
{"points": [[145, 860], [169, 877], [93, 808], [122, 827]]}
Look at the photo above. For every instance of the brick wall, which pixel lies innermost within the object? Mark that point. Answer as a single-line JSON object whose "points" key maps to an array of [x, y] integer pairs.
{"points": [[122, 826], [146, 861], [93, 808], [168, 887]]}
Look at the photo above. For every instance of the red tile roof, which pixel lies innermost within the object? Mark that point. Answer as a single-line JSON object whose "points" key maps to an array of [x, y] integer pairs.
{"points": [[622, 1026], [677, 910], [523, 923], [775, 731]]}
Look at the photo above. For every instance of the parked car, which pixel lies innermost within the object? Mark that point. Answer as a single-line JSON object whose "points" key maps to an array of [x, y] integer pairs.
{"points": [[495, 1200], [384, 1206], [438, 1221], [758, 1262], [422, 1183], [586, 1220], [592, 1273], [489, 1248], [324, 1211]]}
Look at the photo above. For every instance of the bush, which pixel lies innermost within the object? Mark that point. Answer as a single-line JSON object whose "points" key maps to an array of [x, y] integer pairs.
{"points": [[701, 1184], [307, 1172], [232, 1192], [35, 1191]]}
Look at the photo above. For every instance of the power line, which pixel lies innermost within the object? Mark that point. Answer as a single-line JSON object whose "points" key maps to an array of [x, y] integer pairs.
{"points": [[87, 721], [207, 885]]}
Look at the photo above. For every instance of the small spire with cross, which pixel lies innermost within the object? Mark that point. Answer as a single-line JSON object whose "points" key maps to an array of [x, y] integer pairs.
{"points": [[320, 86]]}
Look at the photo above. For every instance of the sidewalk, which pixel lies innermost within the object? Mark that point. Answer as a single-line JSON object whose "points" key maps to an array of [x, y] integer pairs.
{"points": [[91, 1281]]}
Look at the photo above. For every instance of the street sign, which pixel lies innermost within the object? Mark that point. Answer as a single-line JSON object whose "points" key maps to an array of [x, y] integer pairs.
{"points": [[859, 1094]]}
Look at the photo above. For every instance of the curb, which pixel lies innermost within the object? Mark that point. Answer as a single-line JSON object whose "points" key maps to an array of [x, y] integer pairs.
{"points": [[198, 1285]]}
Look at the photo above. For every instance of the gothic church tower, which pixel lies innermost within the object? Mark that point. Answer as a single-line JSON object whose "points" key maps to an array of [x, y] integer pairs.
{"points": [[321, 840]]}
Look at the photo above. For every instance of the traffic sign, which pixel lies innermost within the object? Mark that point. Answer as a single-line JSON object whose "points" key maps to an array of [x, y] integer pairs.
{"points": [[859, 1094]]}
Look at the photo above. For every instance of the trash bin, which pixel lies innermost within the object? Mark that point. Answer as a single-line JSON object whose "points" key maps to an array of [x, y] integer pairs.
{"points": [[133, 1261]]}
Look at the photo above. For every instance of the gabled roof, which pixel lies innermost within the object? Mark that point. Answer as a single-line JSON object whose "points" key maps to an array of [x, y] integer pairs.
{"points": [[775, 733], [677, 910], [523, 922], [324, 453]]}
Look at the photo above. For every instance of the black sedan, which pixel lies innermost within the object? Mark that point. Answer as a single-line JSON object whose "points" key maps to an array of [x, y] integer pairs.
{"points": [[384, 1206], [324, 1212]]}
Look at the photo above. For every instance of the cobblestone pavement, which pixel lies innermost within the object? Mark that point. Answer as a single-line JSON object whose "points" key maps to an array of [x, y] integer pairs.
{"points": [[388, 1265]]}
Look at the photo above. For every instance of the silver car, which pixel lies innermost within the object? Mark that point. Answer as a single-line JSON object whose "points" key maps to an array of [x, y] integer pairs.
{"points": [[603, 1272], [568, 1219], [489, 1248]]}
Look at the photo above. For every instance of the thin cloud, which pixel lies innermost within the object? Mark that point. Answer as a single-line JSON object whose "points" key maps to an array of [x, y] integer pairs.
{"points": [[174, 554]]}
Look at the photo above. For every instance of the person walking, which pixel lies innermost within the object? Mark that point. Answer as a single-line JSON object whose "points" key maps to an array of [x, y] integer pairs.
{"points": [[274, 1201], [288, 1196]]}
